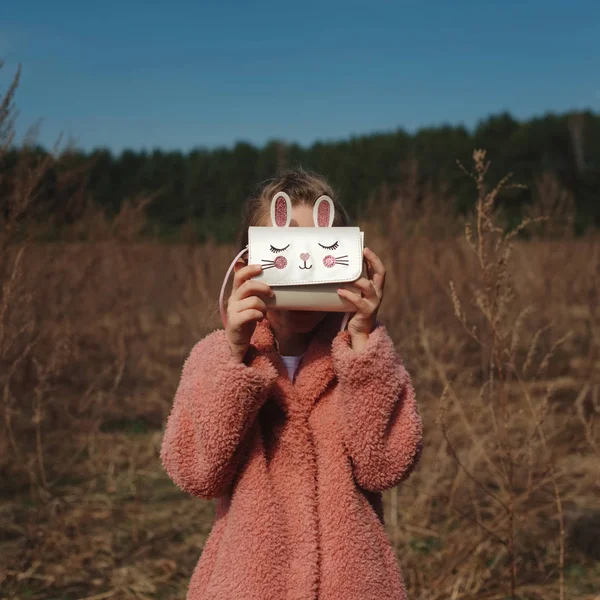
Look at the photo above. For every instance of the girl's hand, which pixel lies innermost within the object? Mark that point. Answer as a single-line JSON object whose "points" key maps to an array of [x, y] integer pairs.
{"points": [[367, 301], [246, 306]]}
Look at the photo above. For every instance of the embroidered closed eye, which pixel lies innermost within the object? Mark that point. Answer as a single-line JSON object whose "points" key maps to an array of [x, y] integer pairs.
{"points": [[334, 246], [273, 249]]}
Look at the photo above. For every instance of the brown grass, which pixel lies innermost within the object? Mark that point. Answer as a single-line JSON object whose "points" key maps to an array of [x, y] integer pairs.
{"points": [[501, 336]]}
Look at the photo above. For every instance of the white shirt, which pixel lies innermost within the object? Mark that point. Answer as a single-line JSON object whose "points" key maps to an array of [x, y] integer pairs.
{"points": [[291, 364]]}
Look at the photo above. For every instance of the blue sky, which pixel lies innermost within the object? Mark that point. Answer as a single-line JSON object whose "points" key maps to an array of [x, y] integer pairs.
{"points": [[143, 74]]}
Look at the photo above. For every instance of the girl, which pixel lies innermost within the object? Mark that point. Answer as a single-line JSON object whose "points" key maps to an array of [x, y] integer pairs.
{"points": [[296, 428]]}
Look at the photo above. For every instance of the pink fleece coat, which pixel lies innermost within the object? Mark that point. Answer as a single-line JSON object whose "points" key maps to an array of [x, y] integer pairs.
{"points": [[298, 468]]}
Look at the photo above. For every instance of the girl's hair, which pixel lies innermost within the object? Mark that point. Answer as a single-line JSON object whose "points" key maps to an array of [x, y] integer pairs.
{"points": [[303, 187]]}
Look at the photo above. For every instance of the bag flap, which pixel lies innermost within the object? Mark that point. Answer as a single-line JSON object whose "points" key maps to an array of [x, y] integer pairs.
{"points": [[306, 255]]}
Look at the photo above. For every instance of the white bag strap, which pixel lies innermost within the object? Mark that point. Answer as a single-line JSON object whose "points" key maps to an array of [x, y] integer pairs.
{"points": [[222, 310], [345, 320], [221, 302]]}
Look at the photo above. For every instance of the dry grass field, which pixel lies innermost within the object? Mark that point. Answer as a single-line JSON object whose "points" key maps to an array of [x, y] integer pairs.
{"points": [[504, 349], [501, 335]]}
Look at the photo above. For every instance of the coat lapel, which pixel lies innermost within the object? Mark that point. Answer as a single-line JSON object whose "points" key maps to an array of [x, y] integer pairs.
{"points": [[315, 372]]}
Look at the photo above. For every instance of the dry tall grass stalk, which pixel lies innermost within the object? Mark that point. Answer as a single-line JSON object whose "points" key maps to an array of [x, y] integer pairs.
{"points": [[500, 339]]}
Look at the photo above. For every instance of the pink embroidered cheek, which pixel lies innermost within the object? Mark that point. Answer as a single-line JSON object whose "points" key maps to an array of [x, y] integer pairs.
{"points": [[329, 261], [281, 262]]}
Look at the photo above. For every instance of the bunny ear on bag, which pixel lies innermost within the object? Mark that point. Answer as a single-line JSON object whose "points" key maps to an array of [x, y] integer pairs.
{"points": [[281, 210], [323, 212]]}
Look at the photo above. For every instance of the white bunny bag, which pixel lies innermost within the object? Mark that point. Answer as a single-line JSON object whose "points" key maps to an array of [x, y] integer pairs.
{"points": [[304, 266]]}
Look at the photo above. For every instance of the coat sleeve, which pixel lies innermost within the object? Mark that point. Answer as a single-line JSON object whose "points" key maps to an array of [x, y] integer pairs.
{"points": [[381, 425], [216, 401]]}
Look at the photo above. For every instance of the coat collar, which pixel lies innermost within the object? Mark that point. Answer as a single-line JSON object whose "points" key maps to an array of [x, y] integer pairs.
{"points": [[315, 372]]}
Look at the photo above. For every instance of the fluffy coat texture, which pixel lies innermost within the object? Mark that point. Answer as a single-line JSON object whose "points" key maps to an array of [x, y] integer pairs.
{"points": [[298, 468]]}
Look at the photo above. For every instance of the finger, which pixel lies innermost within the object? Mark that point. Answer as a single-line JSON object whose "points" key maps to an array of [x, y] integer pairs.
{"points": [[366, 287], [250, 302], [369, 267], [247, 316], [244, 274], [361, 303], [252, 287], [378, 270]]}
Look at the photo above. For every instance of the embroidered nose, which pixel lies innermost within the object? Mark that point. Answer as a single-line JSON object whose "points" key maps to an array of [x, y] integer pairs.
{"points": [[305, 256]]}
